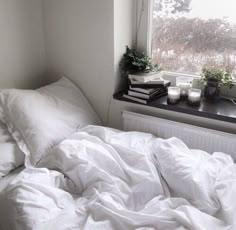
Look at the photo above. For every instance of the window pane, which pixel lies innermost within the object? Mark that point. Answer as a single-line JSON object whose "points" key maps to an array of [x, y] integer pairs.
{"points": [[188, 34]]}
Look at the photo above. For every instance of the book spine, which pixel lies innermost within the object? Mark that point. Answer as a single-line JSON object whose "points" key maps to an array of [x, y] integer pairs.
{"points": [[146, 101], [140, 90], [139, 95], [142, 101], [157, 96], [145, 96], [149, 86]]}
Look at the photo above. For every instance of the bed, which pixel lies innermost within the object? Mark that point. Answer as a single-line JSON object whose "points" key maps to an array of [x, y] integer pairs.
{"points": [[81, 175], [5, 181]]}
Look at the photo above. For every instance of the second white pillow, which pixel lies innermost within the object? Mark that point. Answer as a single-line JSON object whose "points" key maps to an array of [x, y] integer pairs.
{"points": [[40, 119]]}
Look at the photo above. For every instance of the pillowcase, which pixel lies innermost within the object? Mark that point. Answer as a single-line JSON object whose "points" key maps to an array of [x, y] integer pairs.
{"points": [[191, 174], [40, 119], [11, 157]]}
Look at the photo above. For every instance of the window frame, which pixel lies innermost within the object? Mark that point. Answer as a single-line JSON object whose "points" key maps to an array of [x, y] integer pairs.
{"points": [[144, 25], [144, 37], [143, 42], [144, 33]]}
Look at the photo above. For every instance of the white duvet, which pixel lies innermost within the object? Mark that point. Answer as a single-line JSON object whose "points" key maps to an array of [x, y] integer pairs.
{"points": [[100, 178]]}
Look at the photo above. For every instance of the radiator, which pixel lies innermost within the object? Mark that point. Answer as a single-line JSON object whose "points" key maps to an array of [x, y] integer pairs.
{"points": [[195, 137]]}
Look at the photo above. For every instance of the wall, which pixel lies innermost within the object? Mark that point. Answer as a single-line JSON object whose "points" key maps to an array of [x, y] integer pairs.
{"points": [[22, 56], [124, 19], [80, 44], [85, 41], [123, 33]]}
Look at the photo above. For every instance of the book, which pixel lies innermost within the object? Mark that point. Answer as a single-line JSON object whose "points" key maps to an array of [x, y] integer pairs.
{"points": [[141, 90], [146, 96], [146, 77], [150, 84], [144, 101]]}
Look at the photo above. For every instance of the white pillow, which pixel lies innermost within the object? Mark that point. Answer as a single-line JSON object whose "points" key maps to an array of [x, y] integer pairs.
{"points": [[191, 174], [40, 119], [11, 157]]}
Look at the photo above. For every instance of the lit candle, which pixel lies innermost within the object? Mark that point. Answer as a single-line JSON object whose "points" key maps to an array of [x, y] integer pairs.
{"points": [[173, 95], [194, 97]]}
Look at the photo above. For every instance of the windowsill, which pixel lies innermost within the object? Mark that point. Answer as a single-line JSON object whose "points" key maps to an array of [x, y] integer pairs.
{"points": [[176, 74], [171, 76], [222, 110]]}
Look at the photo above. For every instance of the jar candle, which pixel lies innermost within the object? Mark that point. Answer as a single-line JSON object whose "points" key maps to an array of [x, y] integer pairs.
{"points": [[184, 83], [194, 97], [173, 95]]}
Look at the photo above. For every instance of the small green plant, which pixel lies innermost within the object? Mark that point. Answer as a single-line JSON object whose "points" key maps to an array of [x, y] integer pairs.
{"points": [[222, 77], [136, 62]]}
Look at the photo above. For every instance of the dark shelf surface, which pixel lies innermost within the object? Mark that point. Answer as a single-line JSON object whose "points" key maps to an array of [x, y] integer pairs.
{"points": [[222, 110]]}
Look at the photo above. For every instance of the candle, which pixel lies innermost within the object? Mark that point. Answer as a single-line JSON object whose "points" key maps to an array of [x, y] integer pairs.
{"points": [[184, 87], [184, 83], [194, 97], [173, 95]]}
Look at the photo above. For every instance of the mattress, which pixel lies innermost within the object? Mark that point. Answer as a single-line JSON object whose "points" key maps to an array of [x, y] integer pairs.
{"points": [[10, 177]]}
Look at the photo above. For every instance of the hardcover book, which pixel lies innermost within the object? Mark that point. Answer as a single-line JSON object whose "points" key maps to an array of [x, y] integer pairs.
{"points": [[146, 96], [141, 90], [144, 101], [146, 77]]}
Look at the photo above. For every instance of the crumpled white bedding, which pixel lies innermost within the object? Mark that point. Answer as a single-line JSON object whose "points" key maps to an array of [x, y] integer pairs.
{"points": [[101, 178]]}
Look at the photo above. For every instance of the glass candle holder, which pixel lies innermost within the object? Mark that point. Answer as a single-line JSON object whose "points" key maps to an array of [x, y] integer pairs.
{"points": [[194, 97], [184, 83], [173, 95]]}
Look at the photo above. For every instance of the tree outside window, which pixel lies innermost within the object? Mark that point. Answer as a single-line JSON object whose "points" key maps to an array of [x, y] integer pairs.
{"points": [[190, 34]]}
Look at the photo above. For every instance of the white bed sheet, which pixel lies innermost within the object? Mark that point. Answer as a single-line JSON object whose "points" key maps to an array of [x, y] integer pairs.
{"points": [[10, 177], [108, 179]]}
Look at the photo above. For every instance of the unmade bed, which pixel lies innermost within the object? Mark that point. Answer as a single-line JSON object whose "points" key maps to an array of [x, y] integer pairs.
{"points": [[81, 175], [5, 181]]}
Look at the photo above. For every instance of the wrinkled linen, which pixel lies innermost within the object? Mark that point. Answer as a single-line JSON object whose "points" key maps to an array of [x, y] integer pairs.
{"points": [[101, 178], [11, 157]]}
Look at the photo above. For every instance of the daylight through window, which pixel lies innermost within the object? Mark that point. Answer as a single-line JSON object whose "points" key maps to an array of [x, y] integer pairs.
{"points": [[189, 34]]}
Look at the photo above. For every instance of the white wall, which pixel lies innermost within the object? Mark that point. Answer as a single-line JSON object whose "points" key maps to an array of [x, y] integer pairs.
{"points": [[123, 33], [80, 44], [85, 41], [124, 19], [22, 55]]}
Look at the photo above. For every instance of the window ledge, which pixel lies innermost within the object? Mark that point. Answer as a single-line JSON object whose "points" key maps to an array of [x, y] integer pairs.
{"points": [[176, 74], [222, 110]]}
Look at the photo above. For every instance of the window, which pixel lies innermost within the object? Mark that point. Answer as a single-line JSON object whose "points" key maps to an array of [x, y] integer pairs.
{"points": [[188, 34]]}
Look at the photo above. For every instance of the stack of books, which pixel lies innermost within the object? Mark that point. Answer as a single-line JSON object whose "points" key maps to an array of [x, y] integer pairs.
{"points": [[146, 88]]}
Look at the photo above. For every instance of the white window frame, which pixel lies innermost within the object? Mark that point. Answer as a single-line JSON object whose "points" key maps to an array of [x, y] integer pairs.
{"points": [[143, 37], [144, 10], [144, 25]]}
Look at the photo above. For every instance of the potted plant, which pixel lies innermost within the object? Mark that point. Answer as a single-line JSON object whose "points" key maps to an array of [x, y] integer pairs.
{"points": [[134, 62], [213, 79]]}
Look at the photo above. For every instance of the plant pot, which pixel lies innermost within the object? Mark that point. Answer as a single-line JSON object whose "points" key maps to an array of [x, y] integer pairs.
{"points": [[212, 90]]}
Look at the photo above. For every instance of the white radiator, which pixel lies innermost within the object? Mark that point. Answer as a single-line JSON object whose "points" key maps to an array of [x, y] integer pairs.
{"points": [[195, 137]]}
